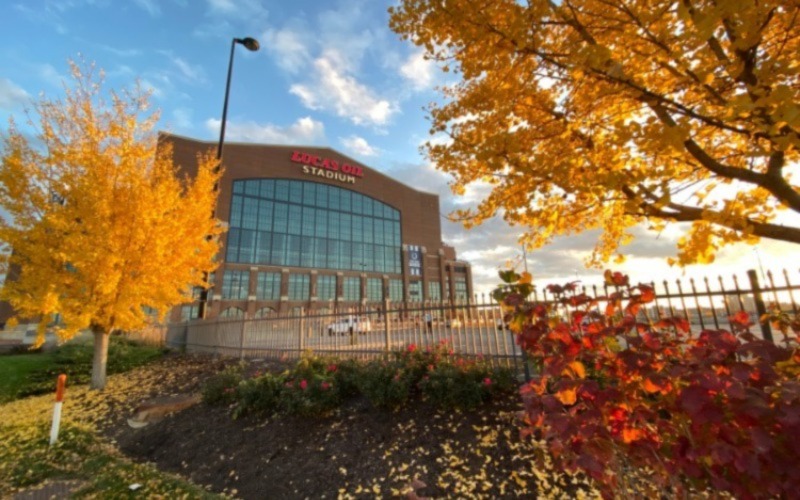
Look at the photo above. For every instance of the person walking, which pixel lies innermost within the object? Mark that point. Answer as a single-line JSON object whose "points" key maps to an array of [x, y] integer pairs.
{"points": [[429, 322]]}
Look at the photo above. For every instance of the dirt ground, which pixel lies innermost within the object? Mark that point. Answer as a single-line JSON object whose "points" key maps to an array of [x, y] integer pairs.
{"points": [[359, 452]]}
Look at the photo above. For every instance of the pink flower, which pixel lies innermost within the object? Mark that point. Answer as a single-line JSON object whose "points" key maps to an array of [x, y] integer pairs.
{"points": [[325, 386], [487, 381], [303, 384], [289, 384], [430, 368], [332, 368], [412, 347]]}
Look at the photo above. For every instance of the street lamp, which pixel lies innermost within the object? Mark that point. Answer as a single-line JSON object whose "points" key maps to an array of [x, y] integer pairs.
{"points": [[252, 45]]}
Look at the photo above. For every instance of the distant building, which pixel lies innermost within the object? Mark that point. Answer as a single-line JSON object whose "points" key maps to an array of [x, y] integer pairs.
{"points": [[311, 228]]}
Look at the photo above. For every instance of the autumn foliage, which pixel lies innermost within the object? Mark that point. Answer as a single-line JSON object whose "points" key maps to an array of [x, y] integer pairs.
{"points": [[596, 114], [622, 397], [99, 226]]}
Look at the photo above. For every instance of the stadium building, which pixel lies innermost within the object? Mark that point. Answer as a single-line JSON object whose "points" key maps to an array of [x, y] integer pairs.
{"points": [[311, 228]]}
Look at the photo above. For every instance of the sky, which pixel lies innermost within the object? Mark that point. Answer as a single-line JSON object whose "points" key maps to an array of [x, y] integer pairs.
{"points": [[329, 74]]}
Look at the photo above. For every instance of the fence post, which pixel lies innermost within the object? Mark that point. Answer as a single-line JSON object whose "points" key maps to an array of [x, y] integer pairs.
{"points": [[241, 340], [387, 336], [766, 331], [300, 329], [217, 341]]}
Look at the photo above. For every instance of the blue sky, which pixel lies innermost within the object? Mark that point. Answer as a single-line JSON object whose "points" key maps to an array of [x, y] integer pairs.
{"points": [[328, 73]]}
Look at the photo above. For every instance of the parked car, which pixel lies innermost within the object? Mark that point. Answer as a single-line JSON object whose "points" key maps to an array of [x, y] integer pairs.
{"points": [[350, 324]]}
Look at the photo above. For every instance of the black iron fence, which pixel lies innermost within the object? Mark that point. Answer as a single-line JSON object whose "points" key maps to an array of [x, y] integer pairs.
{"points": [[470, 328], [707, 304]]}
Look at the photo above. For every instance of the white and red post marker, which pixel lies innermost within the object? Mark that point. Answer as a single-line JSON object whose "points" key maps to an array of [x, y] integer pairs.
{"points": [[60, 387]]}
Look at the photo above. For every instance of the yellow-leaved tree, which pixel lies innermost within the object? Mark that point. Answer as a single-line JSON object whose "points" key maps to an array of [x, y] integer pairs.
{"points": [[100, 227], [605, 114]]}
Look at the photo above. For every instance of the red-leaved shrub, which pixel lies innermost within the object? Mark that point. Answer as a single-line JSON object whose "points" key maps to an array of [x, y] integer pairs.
{"points": [[619, 395]]}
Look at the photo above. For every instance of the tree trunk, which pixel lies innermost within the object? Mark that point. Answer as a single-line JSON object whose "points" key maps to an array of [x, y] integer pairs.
{"points": [[99, 360]]}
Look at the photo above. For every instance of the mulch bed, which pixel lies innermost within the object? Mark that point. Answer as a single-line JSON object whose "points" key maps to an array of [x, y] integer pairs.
{"points": [[359, 452]]}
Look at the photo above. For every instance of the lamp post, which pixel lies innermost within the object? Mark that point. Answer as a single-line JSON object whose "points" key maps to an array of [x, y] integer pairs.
{"points": [[252, 45]]}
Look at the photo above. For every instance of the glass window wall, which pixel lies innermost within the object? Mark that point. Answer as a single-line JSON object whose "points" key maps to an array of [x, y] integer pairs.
{"points": [[235, 284], [307, 224], [268, 286], [299, 286], [396, 290], [434, 291], [374, 289], [461, 288], [326, 287], [352, 289]]}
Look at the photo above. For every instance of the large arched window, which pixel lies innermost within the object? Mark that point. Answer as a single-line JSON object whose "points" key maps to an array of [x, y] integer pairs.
{"points": [[232, 312], [285, 222]]}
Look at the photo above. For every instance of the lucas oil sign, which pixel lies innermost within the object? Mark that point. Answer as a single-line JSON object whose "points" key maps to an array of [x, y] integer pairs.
{"points": [[328, 168]]}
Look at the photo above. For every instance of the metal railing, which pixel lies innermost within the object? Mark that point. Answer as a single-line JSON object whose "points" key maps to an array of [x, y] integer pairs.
{"points": [[473, 328], [708, 306]]}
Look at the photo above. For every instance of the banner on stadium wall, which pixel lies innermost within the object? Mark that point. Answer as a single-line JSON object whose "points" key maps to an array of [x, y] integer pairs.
{"points": [[414, 260]]}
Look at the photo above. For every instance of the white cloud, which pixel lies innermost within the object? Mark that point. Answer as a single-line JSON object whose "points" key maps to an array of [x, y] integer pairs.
{"points": [[12, 96], [289, 48], [149, 86], [182, 118], [121, 52], [151, 6], [332, 90], [51, 75], [223, 6], [247, 10], [304, 131], [358, 145], [418, 71], [191, 73]]}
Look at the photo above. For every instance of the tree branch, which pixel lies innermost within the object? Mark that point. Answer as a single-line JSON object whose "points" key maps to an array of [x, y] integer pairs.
{"points": [[682, 213]]}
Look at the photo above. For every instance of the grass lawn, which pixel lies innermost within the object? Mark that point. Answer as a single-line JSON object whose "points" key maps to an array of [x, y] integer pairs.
{"points": [[83, 453], [16, 371], [30, 374]]}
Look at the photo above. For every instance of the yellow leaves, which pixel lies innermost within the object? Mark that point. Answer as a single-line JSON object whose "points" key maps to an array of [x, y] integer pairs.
{"points": [[575, 369], [104, 223], [650, 387], [567, 396], [590, 130], [630, 434]]}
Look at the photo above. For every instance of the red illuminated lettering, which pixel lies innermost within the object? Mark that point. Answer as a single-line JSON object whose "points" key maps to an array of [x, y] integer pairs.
{"points": [[326, 163]]}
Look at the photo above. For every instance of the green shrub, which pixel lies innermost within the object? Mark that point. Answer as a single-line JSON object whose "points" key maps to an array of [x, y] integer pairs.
{"points": [[463, 384], [417, 362], [260, 395], [312, 397], [221, 389], [316, 386], [346, 374], [310, 365], [386, 383]]}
